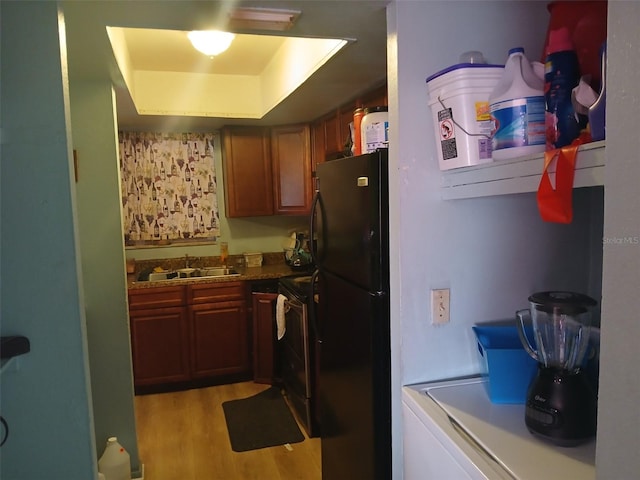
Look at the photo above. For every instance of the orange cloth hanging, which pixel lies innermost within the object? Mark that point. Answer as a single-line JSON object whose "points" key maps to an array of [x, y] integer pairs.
{"points": [[555, 204]]}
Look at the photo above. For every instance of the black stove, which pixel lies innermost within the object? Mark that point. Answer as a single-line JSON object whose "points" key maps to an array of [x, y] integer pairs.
{"points": [[298, 286], [299, 360]]}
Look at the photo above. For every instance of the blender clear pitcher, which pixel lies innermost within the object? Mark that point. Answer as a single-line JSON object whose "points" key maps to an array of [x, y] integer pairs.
{"points": [[561, 404], [561, 324]]}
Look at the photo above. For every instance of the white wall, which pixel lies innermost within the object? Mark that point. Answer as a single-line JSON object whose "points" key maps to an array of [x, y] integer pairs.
{"points": [[618, 415], [488, 261], [491, 252], [46, 401], [488, 250]]}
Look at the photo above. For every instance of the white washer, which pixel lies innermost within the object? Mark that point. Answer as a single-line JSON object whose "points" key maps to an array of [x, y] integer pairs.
{"points": [[453, 431]]}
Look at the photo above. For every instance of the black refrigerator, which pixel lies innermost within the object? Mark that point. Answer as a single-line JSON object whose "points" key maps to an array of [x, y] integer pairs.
{"points": [[350, 228]]}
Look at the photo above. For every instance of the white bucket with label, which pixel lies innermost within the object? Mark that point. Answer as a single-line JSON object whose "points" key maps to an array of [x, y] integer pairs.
{"points": [[374, 129], [459, 103]]}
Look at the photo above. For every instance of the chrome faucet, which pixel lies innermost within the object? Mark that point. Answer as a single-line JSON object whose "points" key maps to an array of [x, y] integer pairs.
{"points": [[186, 260]]}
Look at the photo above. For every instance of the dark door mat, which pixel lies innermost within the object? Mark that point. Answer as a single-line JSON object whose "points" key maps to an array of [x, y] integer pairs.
{"points": [[263, 420]]}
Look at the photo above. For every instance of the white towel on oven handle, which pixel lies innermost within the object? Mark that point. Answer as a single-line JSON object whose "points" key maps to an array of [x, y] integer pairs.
{"points": [[281, 309]]}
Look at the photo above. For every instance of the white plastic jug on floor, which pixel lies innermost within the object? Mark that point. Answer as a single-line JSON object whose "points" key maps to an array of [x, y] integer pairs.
{"points": [[115, 463]]}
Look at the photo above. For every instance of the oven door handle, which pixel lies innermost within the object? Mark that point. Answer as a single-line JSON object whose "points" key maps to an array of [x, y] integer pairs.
{"points": [[295, 306]]}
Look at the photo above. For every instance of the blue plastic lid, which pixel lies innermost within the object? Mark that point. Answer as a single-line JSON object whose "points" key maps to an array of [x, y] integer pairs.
{"points": [[459, 66], [516, 50]]}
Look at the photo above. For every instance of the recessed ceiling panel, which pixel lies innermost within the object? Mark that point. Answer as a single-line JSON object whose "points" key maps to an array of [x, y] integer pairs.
{"points": [[171, 51], [151, 61]]}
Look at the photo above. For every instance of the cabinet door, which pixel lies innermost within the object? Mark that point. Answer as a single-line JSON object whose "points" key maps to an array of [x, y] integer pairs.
{"points": [[248, 184], [264, 337], [219, 339], [318, 145], [291, 158], [159, 345], [376, 97], [332, 134], [346, 119]]}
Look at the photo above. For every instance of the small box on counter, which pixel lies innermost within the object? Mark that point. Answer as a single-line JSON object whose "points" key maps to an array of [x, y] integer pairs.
{"points": [[253, 259]]}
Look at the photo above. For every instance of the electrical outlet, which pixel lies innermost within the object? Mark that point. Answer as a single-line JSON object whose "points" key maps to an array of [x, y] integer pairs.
{"points": [[440, 306]]}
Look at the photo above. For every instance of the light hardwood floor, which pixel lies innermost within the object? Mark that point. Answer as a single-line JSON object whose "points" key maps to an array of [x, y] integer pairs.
{"points": [[183, 436]]}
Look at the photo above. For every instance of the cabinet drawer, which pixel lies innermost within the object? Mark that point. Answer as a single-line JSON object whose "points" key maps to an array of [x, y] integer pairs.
{"points": [[215, 292], [158, 297]]}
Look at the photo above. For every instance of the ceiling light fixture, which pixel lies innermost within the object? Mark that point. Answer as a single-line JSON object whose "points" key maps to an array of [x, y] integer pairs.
{"points": [[210, 42], [262, 18]]}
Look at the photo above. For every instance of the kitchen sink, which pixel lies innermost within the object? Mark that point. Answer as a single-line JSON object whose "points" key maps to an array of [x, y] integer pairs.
{"points": [[190, 273], [215, 272]]}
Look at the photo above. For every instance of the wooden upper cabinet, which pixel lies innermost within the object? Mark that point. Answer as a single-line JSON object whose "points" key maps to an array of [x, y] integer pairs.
{"points": [[269, 171], [332, 134], [248, 182], [375, 98], [291, 158], [346, 118], [318, 145]]}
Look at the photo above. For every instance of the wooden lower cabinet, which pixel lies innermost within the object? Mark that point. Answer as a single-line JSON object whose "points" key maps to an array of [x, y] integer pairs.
{"points": [[160, 345], [203, 334], [219, 339], [264, 337]]}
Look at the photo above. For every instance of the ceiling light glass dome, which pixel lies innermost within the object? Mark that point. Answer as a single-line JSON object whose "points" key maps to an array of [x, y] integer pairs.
{"points": [[210, 42]]}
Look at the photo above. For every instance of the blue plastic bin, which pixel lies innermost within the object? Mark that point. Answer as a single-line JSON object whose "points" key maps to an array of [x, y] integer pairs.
{"points": [[508, 367]]}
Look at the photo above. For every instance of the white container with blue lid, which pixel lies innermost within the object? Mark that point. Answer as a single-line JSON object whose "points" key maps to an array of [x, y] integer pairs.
{"points": [[459, 103]]}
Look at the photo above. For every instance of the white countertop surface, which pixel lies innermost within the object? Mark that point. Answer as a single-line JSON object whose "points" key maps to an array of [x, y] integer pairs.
{"points": [[499, 430]]}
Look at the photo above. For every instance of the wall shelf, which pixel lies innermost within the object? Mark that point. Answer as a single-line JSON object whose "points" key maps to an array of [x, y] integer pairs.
{"points": [[520, 175]]}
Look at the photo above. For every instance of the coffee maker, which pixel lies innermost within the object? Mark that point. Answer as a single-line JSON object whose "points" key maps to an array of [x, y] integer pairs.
{"points": [[561, 403]]}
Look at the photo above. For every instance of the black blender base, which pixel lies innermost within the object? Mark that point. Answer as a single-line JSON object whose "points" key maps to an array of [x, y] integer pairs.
{"points": [[561, 407]]}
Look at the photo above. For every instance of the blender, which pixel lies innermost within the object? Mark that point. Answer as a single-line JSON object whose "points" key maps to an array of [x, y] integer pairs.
{"points": [[561, 403]]}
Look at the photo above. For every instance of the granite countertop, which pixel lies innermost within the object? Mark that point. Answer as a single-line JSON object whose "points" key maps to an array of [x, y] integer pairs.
{"points": [[265, 272]]}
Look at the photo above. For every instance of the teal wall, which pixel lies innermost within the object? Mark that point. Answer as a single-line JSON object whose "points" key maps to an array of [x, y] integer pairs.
{"points": [[105, 288], [46, 396]]}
